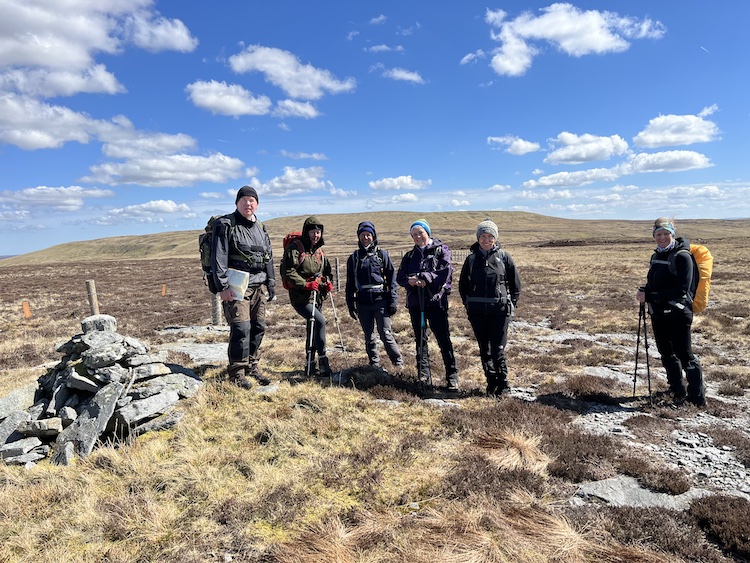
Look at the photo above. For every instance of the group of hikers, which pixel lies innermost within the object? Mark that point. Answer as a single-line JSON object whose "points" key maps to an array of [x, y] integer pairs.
{"points": [[489, 287]]}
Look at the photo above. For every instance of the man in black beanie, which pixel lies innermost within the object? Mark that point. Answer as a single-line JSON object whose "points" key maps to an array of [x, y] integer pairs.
{"points": [[240, 242]]}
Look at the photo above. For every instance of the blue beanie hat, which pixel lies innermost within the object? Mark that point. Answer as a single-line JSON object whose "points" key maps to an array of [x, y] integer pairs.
{"points": [[421, 223], [366, 226]]}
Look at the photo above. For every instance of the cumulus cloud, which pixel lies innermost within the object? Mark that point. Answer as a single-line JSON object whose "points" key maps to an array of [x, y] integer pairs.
{"points": [[570, 30], [63, 38], [381, 19], [294, 108], [149, 212], [396, 199], [404, 75], [400, 183], [385, 49], [227, 99], [284, 70], [172, 170], [499, 188], [667, 161], [577, 149], [515, 145], [295, 181], [47, 83], [303, 155], [674, 130], [472, 57], [459, 203], [60, 199], [549, 194]]}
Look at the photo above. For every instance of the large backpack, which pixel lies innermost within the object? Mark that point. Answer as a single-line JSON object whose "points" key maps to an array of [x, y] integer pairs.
{"points": [[703, 266], [295, 238], [204, 248]]}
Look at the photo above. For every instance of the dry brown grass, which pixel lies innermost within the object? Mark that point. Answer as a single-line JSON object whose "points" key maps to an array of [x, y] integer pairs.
{"points": [[314, 473]]}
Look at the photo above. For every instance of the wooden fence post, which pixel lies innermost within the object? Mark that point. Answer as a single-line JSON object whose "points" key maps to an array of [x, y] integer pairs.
{"points": [[26, 309], [216, 310], [93, 301], [163, 290], [338, 276]]}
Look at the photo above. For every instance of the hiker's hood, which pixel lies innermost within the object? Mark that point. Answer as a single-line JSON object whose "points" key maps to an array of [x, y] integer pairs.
{"points": [[367, 226], [310, 224]]}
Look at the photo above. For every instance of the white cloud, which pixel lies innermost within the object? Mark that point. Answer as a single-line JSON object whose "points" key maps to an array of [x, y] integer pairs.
{"points": [[499, 188], [149, 212], [404, 75], [227, 99], [566, 27], [303, 155], [30, 124], [211, 195], [396, 199], [46, 83], [667, 161], [515, 145], [549, 194], [577, 149], [173, 170], [574, 179], [156, 33], [400, 183], [378, 20], [385, 49], [674, 130], [295, 181], [608, 198], [472, 57], [459, 203], [62, 199], [293, 108], [281, 68]]}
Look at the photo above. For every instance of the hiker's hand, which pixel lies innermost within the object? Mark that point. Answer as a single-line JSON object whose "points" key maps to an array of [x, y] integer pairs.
{"points": [[414, 281], [271, 292], [329, 287], [392, 309], [312, 285], [227, 295], [353, 313], [640, 296]]}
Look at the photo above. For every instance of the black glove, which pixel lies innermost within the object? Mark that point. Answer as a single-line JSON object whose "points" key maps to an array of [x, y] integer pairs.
{"points": [[353, 313], [271, 292], [392, 308]]}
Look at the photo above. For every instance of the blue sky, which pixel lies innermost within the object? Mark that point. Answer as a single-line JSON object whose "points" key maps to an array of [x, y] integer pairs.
{"points": [[121, 117]]}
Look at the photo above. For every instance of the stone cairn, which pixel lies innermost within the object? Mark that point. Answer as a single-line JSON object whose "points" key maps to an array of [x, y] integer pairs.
{"points": [[107, 386]]}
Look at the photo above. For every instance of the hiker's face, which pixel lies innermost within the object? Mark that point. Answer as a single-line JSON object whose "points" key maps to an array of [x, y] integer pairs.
{"points": [[487, 241], [663, 238], [247, 205], [315, 235], [420, 236], [365, 237]]}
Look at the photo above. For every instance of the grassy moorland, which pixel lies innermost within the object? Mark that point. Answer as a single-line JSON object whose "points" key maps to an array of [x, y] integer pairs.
{"points": [[319, 473]]}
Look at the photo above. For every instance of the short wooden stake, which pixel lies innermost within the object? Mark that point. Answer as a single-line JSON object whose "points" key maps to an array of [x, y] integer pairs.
{"points": [[163, 290], [26, 309], [93, 301], [217, 311]]}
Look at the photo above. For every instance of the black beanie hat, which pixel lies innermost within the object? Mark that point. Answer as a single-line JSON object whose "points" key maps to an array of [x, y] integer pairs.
{"points": [[246, 191]]}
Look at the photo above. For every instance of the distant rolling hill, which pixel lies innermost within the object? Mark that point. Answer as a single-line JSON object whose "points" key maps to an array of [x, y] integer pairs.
{"points": [[456, 228]]}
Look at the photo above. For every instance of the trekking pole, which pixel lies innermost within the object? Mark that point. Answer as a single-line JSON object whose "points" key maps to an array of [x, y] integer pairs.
{"points": [[341, 338], [422, 329], [310, 343], [637, 346], [648, 364]]}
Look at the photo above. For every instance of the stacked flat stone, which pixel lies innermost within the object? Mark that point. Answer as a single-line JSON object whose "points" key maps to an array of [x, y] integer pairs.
{"points": [[106, 385]]}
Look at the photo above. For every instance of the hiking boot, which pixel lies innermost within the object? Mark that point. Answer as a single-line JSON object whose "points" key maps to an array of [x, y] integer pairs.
{"points": [[452, 382], [253, 371], [241, 381], [679, 398], [324, 366]]}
